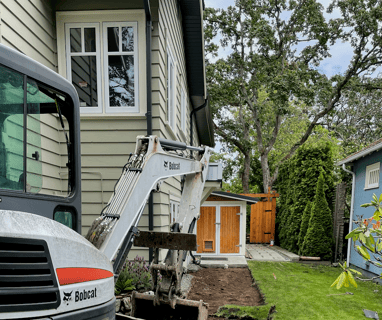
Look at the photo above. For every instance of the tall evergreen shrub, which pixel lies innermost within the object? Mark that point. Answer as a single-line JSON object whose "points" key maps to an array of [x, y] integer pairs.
{"points": [[319, 237], [304, 224], [297, 185]]}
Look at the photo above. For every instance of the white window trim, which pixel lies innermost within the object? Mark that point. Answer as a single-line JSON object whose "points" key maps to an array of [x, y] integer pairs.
{"points": [[171, 97], [372, 168], [105, 25], [100, 16], [183, 110], [97, 54]]}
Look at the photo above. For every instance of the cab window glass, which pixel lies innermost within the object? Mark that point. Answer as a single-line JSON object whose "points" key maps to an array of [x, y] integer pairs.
{"points": [[43, 157], [11, 129], [64, 217]]}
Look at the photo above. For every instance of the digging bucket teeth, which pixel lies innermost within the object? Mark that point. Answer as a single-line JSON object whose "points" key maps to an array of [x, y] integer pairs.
{"points": [[142, 306]]}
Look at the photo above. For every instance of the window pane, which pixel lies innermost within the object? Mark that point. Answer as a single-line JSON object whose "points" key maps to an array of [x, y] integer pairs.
{"points": [[121, 81], [75, 40], [46, 143], [128, 39], [11, 129], [90, 40], [84, 79], [64, 217], [113, 39]]}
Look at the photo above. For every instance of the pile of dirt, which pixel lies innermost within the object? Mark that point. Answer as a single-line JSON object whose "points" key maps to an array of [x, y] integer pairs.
{"points": [[218, 287]]}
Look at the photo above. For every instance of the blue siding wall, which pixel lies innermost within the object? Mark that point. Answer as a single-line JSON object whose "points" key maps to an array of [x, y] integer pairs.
{"points": [[363, 196]]}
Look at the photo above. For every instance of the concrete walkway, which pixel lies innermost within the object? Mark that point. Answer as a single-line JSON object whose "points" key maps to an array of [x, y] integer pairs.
{"points": [[256, 252], [264, 252]]}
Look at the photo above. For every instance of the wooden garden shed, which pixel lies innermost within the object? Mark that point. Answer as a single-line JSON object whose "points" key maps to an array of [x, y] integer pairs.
{"points": [[221, 227]]}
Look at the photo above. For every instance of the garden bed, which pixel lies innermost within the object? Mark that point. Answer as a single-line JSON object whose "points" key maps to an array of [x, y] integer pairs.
{"points": [[218, 287]]}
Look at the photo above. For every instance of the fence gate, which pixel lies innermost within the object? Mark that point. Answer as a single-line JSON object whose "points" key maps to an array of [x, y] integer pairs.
{"points": [[263, 217]]}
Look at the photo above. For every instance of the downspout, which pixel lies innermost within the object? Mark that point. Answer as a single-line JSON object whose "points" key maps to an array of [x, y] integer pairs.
{"points": [[191, 119], [351, 210], [149, 106]]}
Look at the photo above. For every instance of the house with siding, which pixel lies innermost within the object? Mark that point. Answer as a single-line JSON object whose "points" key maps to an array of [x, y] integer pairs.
{"points": [[138, 67], [364, 166]]}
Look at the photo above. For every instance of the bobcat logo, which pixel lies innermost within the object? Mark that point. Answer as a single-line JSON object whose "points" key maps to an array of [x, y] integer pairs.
{"points": [[166, 164], [67, 297]]}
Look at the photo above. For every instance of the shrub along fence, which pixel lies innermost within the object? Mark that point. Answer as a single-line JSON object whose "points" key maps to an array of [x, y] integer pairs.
{"points": [[298, 185]]}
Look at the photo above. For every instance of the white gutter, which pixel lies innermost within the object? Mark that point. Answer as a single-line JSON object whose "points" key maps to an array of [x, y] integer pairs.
{"points": [[351, 210]]}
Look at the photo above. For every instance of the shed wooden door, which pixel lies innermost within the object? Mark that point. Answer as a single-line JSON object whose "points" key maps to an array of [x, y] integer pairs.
{"points": [[229, 229], [263, 216], [206, 230]]}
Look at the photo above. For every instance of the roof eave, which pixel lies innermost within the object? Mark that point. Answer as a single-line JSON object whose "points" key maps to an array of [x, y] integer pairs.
{"points": [[192, 19], [360, 154]]}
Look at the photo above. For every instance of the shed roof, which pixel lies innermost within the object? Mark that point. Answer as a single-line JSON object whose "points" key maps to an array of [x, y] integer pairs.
{"points": [[375, 146], [235, 196]]}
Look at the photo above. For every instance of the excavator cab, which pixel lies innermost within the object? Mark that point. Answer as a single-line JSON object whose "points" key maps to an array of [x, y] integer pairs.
{"points": [[39, 141]]}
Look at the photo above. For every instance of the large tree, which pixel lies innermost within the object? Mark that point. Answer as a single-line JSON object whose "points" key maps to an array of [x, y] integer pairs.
{"points": [[271, 73]]}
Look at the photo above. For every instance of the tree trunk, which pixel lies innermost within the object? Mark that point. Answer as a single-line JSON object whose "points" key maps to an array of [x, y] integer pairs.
{"points": [[247, 168], [266, 173]]}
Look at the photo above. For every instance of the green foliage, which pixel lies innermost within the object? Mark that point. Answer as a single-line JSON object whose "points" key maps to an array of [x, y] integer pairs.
{"points": [[367, 240], [124, 283], [297, 184], [135, 275], [269, 97], [319, 237], [346, 277], [304, 224]]}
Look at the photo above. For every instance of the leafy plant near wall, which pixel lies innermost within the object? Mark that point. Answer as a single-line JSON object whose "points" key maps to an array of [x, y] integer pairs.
{"points": [[297, 185], [135, 275], [319, 237], [367, 242]]}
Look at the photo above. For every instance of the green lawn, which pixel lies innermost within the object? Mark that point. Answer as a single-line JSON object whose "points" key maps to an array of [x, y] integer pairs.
{"points": [[301, 292]]}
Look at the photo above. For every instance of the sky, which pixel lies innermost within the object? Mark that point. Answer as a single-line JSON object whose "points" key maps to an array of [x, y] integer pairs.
{"points": [[341, 52]]}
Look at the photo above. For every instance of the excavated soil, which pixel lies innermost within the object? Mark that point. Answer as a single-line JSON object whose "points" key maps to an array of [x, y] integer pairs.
{"points": [[218, 287]]}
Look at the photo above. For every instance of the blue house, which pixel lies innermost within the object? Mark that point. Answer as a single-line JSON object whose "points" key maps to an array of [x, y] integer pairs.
{"points": [[364, 165]]}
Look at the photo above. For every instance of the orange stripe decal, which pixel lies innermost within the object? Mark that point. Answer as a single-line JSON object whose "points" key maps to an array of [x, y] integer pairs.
{"points": [[77, 275]]}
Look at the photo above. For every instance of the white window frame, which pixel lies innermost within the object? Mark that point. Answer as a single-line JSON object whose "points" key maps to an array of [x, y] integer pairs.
{"points": [[171, 89], [373, 168], [174, 214], [97, 54], [183, 110], [105, 25]]}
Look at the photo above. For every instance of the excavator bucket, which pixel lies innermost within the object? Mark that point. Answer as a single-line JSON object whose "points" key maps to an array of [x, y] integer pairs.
{"points": [[142, 306]]}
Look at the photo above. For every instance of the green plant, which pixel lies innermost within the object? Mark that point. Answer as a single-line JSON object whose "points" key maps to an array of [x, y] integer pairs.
{"points": [[297, 184], [304, 224], [135, 275], [367, 239], [123, 284], [319, 237]]}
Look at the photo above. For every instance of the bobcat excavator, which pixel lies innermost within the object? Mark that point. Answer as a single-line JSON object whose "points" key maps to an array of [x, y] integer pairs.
{"points": [[47, 269]]}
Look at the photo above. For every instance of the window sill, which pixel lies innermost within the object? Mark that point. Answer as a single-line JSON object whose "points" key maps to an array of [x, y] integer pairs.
{"points": [[135, 116], [170, 130], [370, 188]]}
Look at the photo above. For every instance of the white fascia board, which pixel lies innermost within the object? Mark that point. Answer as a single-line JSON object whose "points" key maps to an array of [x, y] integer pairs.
{"points": [[360, 154]]}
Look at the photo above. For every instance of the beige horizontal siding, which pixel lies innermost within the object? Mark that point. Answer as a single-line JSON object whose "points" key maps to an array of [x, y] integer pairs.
{"points": [[29, 26]]}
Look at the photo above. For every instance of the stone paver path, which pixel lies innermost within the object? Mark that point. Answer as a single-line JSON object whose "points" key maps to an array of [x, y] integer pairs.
{"points": [[260, 252]]}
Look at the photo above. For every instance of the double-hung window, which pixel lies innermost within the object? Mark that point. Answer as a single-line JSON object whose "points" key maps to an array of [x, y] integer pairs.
{"points": [[83, 64], [121, 76], [102, 63]]}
